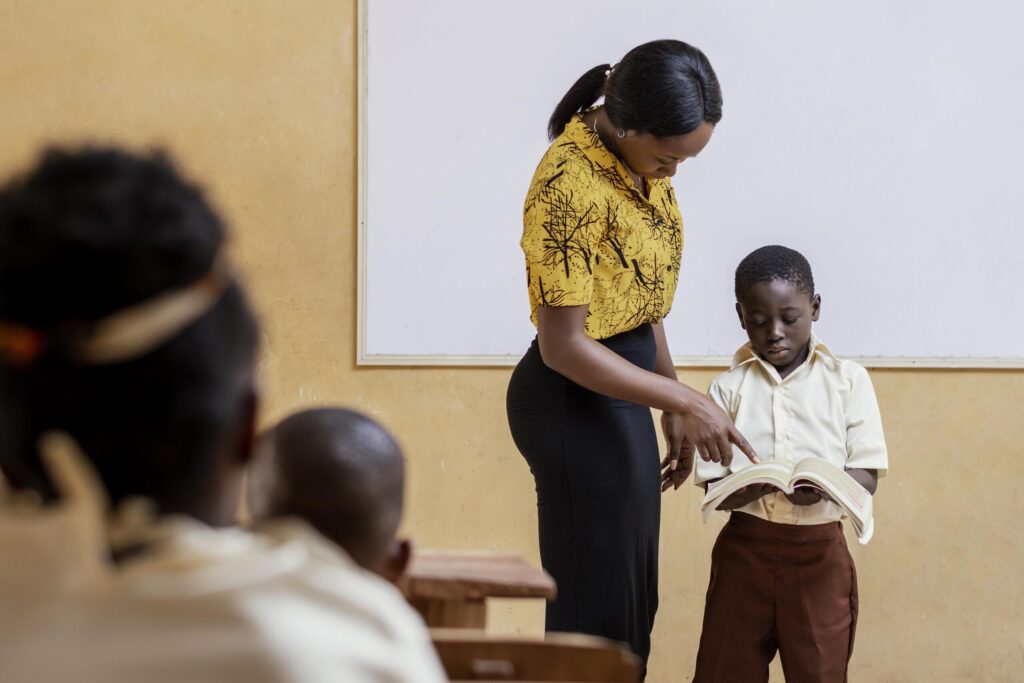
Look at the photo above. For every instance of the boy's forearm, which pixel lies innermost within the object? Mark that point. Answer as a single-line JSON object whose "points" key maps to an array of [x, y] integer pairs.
{"points": [[742, 497], [729, 502], [866, 478], [736, 500]]}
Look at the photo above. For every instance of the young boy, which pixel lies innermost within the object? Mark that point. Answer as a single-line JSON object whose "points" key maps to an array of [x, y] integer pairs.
{"points": [[342, 473], [781, 575]]}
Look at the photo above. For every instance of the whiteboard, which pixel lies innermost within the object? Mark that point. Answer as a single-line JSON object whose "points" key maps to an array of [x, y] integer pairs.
{"points": [[884, 140]]}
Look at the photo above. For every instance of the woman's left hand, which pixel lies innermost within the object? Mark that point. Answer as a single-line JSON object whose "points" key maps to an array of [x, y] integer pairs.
{"points": [[678, 462]]}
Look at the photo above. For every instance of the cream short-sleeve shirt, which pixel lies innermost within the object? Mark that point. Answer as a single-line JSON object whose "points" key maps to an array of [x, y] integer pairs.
{"points": [[826, 409]]}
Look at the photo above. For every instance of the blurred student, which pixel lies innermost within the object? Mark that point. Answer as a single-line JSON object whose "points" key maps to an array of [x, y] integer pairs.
{"points": [[127, 351], [342, 473]]}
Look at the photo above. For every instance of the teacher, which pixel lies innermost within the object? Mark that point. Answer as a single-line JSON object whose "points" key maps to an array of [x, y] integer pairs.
{"points": [[602, 235]]}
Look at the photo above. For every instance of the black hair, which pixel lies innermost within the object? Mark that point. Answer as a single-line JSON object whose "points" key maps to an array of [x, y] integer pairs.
{"points": [[665, 88], [338, 470], [86, 233], [774, 262]]}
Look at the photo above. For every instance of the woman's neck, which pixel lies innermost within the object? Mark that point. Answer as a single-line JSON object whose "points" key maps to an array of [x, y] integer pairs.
{"points": [[598, 121]]}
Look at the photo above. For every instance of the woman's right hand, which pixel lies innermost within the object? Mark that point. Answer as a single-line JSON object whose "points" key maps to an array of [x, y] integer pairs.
{"points": [[709, 428]]}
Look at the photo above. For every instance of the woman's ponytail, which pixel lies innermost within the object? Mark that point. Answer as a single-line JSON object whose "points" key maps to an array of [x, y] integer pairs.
{"points": [[583, 93]]}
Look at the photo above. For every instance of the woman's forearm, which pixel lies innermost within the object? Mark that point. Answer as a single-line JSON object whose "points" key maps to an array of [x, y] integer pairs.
{"points": [[571, 353], [663, 364], [592, 365], [566, 349]]}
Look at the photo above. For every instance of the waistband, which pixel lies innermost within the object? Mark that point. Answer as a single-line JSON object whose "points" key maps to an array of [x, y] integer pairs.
{"points": [[640, 336], [762, 530], [639, 339]]}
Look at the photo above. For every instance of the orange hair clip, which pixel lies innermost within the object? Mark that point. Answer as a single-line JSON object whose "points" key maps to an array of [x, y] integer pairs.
{"points": [[20, 344]]}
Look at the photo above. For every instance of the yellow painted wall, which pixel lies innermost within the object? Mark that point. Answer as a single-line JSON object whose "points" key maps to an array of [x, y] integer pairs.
{"points": [[258, 99]]}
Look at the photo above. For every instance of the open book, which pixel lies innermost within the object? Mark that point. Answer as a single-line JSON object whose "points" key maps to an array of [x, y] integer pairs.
{"points": [[814, 472]]}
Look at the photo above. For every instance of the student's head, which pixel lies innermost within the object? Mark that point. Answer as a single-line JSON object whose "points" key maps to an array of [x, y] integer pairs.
{"points": [[93, 243], [663, 97], [776, 304], [342, 473]]}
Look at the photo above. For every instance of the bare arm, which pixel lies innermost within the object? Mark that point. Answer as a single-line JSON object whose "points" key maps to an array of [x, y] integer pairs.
{"points": [[809, 495], [663, 364], [866, 478], [566, 349], [678, 462], [743, 496]]}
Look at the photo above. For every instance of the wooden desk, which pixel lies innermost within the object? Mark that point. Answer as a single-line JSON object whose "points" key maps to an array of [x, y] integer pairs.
{"points": [[450, 587]]}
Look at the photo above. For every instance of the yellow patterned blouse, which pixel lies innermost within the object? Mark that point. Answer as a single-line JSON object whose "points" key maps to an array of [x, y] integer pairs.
{"points": [[591, 237]]}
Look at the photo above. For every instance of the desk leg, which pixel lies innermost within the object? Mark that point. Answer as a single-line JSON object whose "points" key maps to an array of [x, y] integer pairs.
{"points": [[452, 613]]}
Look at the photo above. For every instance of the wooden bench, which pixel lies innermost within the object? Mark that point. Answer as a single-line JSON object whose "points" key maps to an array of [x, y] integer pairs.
{"points": [[561, 657]]}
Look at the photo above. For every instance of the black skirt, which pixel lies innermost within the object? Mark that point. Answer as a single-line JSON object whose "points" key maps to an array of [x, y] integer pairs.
{"points": [[596, 465]]}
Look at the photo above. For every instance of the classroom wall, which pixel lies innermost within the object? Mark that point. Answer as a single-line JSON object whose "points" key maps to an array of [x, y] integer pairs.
{"points": [[258, 100]]}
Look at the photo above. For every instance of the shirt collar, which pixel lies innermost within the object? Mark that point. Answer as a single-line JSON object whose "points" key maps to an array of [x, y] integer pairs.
{"points": [[746, 354], [589, 142]]}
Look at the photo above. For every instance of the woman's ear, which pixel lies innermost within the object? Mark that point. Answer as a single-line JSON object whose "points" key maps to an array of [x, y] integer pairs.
{"points": [[815, 307]]}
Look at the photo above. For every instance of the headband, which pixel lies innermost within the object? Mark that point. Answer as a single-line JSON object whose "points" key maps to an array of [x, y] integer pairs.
{"points": [[126, 334]]}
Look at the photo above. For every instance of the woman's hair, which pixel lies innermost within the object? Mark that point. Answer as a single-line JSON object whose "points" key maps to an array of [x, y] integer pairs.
{"points": [[665, 88], [85, 234]]}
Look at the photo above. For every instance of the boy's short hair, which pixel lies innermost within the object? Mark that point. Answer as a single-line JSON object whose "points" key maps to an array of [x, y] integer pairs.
{"points": [[85, 234], [339, 471], [774, 262]]}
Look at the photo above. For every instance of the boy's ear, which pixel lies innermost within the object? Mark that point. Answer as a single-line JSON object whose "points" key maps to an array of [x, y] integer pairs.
{"points": [[250, 409], [397, 562], [815, 307], [739, 313], [259, 481]]}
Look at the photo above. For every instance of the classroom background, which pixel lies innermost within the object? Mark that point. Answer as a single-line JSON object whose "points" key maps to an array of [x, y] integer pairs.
{"points": [[259, 100]]}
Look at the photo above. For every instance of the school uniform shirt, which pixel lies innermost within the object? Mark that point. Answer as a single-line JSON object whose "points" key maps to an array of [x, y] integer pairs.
{"points": [[591, 237], [826, 408], [193, 603]]}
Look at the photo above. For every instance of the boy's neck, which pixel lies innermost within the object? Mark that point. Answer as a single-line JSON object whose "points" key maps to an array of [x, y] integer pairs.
{"points": [[788, 369]]}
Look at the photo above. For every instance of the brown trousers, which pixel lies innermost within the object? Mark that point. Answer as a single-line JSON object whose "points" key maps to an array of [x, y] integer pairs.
{"points": [[778, 587]]}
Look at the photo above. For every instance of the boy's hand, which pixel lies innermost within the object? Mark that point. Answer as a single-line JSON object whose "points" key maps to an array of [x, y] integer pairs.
{"points": [[747, 494], [678, 462], [806, 495]]}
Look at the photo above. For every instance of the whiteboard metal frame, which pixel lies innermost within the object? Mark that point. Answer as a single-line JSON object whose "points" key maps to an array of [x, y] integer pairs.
{"points": [[874, 362], [364, 358]]}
